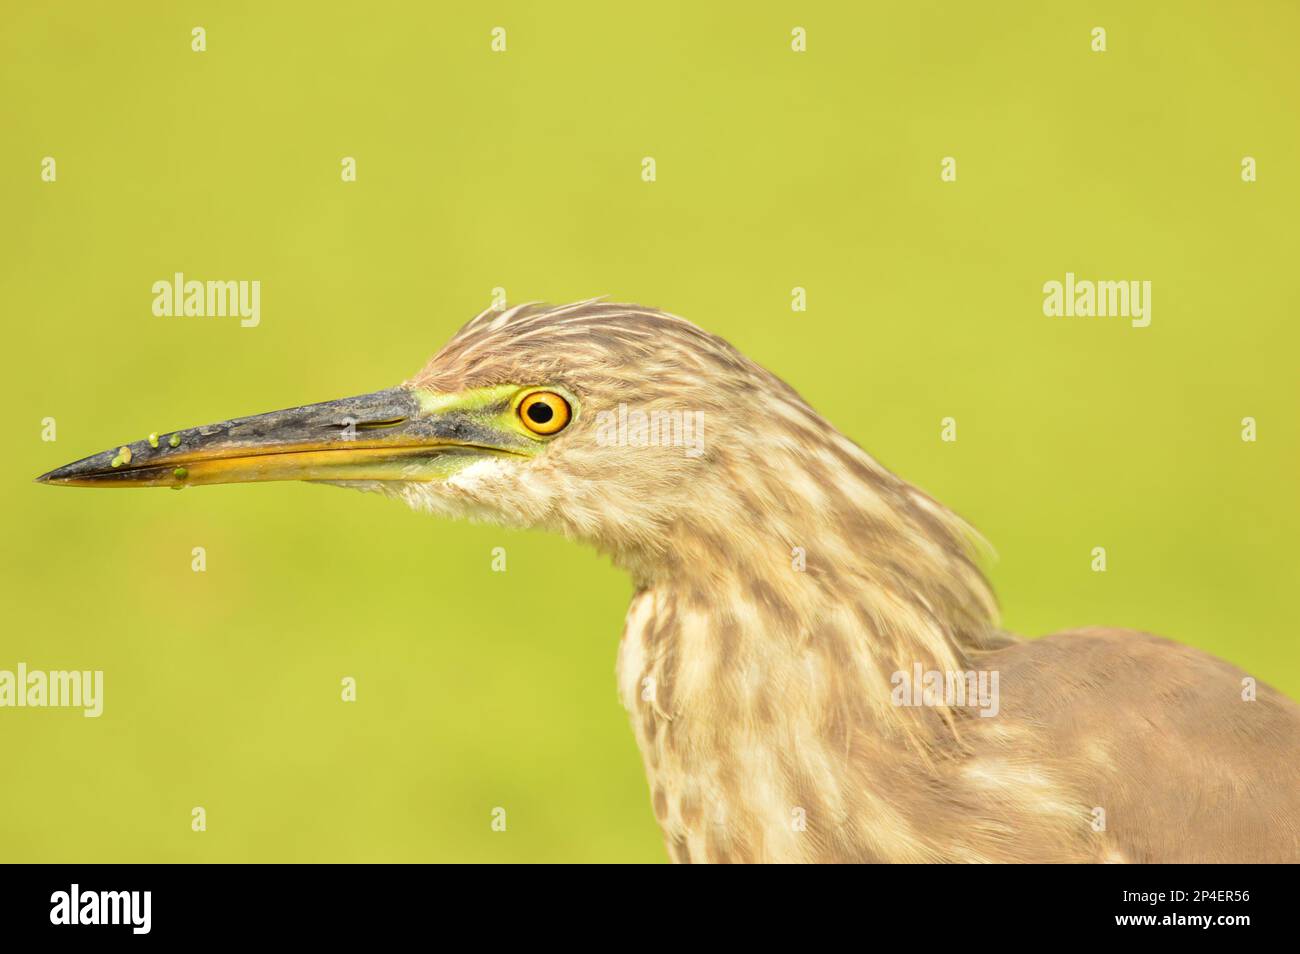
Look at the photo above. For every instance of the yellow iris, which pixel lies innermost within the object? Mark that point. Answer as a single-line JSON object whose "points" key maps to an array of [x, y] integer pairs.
{"points": [[544, 412]]}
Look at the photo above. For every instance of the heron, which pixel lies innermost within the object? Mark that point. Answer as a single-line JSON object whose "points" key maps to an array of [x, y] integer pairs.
{"points": [[789, 594]]}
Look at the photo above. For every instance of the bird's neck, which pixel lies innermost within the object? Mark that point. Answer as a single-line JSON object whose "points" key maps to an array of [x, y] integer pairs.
{"points": [[758, 657], [800, 600]]}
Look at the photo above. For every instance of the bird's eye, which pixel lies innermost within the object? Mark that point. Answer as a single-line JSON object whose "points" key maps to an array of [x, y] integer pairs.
{"points": [[544, 412]]}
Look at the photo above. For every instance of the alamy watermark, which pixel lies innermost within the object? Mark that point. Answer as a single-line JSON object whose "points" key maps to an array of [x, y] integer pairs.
{"points": [[976, 688], [55, 689], [77, 906], [211, 299], [1083, 298], [658, 428]]}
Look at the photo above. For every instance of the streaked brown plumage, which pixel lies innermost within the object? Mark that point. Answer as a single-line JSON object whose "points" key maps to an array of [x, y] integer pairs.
{"points": [[755, 690], [784, 578]]}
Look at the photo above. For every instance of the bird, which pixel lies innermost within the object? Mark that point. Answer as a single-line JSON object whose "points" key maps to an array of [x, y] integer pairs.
{"points": [[812, 661]]}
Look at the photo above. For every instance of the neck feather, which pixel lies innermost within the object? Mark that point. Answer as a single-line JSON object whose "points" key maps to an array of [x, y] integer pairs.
{"points": [[823, 574]]}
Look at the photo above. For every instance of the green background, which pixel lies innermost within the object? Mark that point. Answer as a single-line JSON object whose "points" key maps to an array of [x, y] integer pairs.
{"points": [[522, 170]]}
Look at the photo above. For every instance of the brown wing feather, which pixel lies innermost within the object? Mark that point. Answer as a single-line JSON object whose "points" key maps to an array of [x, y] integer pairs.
{"points": [[1159, 736]]}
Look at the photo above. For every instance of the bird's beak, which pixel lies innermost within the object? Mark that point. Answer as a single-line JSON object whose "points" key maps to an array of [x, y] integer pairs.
{"points": [[397, 434]]}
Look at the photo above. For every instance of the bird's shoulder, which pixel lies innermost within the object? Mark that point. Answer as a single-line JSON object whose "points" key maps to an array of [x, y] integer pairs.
{"points": [[1101, 670]]}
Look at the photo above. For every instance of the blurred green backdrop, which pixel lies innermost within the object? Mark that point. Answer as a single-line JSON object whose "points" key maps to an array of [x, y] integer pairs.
{"points": [[522, 170]]}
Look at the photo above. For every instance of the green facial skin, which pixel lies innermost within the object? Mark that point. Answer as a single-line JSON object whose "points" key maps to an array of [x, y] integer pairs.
{"points": [[496, 407]]}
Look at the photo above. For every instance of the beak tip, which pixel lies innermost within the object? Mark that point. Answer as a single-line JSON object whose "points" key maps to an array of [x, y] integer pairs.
{"points": [[68, 474], [53, 478]]}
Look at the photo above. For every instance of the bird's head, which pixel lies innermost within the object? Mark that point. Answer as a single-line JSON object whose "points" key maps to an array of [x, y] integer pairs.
{"points": [[606, 422], [630, 429]]}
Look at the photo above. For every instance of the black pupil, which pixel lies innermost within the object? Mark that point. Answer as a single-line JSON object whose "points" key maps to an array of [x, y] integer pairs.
{"points": [[540, 412]]}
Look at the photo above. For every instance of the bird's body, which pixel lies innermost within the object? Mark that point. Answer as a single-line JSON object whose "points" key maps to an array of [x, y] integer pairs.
{"points": [[1126, 758], [791, 593]]}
